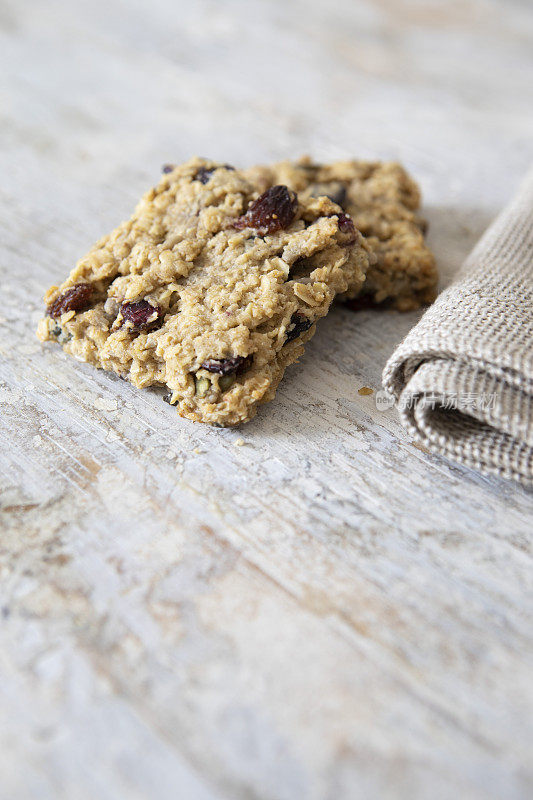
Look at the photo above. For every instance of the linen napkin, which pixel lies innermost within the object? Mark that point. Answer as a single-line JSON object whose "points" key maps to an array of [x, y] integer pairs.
{"points": [[463, 376]]}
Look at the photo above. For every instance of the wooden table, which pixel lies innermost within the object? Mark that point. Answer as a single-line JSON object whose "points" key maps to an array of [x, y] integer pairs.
{"points": [[326, 612]]}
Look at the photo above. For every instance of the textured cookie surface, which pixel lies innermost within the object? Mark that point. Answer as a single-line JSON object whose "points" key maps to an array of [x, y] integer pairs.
{"points": [[382, 200], [210, 289]]}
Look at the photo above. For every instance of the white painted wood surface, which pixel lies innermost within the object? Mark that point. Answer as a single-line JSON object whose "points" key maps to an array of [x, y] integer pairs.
{"points": [[326, 612]]}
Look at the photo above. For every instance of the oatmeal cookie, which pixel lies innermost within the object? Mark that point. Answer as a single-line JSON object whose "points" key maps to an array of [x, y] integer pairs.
{"points": [[211, 289], [382, 199]]}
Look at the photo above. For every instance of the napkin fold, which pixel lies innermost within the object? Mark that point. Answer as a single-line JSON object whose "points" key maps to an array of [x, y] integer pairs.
{"points": [[463, 376]]}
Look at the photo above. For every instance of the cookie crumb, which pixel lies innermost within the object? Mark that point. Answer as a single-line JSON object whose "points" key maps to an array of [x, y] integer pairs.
{"points": [[238, 443]]}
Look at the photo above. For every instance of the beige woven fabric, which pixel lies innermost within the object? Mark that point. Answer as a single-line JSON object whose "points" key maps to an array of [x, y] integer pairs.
{"points": [[463, 377]]}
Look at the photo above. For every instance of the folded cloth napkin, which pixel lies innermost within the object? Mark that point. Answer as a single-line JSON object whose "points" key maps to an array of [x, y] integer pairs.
{"points": [[463, 377]]}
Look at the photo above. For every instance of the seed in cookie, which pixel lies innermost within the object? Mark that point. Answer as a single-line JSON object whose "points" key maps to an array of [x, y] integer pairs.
{"points": [[77, 298], [227, 381], [201, 386], [142, 315], [227, 368], [273, 211], [58, 333]]}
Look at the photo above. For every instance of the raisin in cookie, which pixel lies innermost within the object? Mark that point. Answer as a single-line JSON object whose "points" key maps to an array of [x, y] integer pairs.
{"points": [[382, 200], [210, 289]]}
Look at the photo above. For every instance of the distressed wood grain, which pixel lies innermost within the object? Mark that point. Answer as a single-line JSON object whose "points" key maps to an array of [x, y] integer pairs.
{"points": [[327, 612]]}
